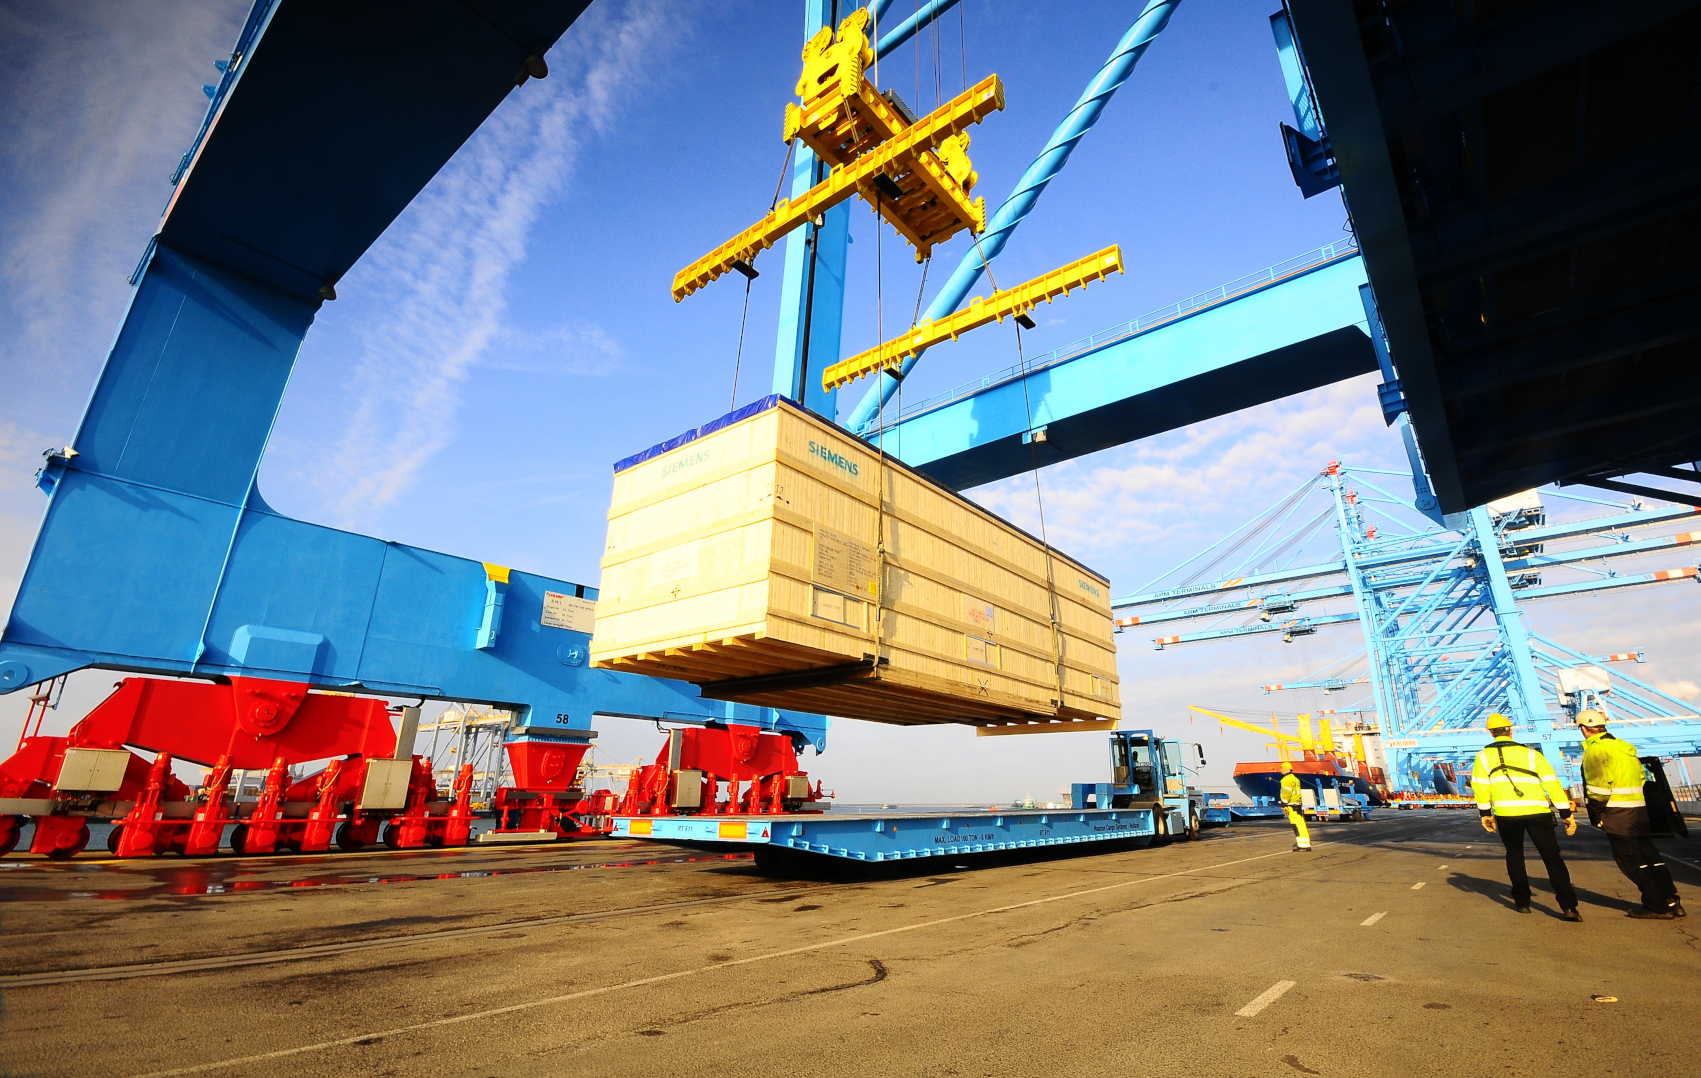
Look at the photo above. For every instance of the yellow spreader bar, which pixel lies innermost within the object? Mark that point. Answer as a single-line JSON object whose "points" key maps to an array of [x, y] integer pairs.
{"points": [[981, 310], [969, 107]]}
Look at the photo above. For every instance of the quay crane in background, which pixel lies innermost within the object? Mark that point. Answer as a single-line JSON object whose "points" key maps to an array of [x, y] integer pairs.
{"points": [[1438, 606]]}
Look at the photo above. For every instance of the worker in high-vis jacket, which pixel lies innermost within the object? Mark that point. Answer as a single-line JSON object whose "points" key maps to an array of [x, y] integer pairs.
{"points": [[1294, 805], [1517, 795], [1612, 783]]}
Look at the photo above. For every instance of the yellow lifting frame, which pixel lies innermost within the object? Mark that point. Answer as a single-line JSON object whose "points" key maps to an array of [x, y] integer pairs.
{"points": [[980, 310], [904, 153]]}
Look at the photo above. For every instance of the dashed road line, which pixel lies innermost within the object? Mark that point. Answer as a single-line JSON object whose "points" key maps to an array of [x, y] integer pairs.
{"points": [[1372, 919], [1265, 998], [1417, 885]]}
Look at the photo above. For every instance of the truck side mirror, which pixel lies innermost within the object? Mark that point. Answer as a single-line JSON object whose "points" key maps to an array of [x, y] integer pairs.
{"points": [[1200, 749]]}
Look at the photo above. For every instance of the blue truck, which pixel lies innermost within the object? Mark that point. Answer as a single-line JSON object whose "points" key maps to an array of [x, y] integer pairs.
{"points": [[1148, 799]]}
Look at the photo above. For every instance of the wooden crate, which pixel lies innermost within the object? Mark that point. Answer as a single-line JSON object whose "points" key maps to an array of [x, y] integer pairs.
{"points": [[744, 557]]}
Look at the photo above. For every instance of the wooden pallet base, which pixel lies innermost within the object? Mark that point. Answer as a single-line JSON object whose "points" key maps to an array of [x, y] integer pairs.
{"points": [[777, 673]]}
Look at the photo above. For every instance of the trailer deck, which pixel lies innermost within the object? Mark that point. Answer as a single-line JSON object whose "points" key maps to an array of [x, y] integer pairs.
{"points": [[893, 836]]}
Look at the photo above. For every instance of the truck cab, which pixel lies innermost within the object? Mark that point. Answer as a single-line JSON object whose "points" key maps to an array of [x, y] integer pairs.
{"points": [[1147, 771]]}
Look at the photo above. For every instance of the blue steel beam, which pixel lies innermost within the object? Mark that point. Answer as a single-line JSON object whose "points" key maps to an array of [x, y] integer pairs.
{"points": [[1286, 337], [1048, 164], [156, 553]]}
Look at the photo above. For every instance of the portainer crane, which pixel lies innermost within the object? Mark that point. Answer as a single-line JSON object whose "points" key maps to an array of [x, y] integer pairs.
{"points": [[1446, 642]]}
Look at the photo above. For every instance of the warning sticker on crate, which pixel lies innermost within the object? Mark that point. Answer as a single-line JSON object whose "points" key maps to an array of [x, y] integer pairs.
{"points": [[844, 564], [562, 611]]}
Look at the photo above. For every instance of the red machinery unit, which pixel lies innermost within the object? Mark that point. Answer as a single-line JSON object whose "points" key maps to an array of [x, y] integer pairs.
{"points": [[363, 794], [758, 770], [546, 797]]}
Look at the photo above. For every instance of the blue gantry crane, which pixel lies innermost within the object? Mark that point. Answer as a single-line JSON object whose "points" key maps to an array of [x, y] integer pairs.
{"points": [[158, 555], [1440, 610]]}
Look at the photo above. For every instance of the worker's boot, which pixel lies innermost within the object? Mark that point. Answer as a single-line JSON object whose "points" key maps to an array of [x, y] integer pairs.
{"points": [[1521, 908], [1641, 914], [1571, 915], [1677, 910]]}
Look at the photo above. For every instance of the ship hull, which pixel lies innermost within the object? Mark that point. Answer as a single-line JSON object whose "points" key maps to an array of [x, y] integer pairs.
{"points": [[1263, 778]]}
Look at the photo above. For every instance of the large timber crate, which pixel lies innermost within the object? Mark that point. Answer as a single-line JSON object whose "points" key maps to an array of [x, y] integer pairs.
{"points": [[743, 556]]}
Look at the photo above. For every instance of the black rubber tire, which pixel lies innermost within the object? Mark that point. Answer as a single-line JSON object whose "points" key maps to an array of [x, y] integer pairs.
{"points": [[392, 836], [1358, 816], [1192, 824], [349, 839], [10, 841], [239, 839], [113, 837], [71, 851], [1160, 824]]}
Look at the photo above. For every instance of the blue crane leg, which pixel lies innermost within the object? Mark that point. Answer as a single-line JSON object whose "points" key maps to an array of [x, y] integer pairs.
{"points": [[1048, 164], [156, 553]]}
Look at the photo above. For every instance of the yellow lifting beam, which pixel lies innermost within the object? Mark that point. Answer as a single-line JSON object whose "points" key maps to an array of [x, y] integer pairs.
{"points": [[903, 156], [980, 310]]}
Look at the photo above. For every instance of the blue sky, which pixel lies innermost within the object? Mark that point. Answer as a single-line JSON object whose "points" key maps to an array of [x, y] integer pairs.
{"points": [[512, 334]]}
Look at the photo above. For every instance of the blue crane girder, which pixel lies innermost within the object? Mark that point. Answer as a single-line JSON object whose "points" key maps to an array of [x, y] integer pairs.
{"points": [[156, 553], [1290, 335]]}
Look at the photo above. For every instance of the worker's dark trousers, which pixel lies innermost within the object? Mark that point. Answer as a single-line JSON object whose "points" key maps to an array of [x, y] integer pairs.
{"points": [[1512, 830], [1640, 860]]}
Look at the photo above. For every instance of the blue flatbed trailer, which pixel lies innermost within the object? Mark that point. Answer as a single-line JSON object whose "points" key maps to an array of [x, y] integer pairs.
{"points": [[883, 837]]}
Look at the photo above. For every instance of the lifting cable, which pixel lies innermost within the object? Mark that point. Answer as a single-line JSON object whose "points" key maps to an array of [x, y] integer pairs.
{"points": [[880, 446], [750, 279]]}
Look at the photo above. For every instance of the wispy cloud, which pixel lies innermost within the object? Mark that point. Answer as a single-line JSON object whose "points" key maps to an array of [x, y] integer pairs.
{"points": [[101, 99], [437, 283], [1174, 494]]}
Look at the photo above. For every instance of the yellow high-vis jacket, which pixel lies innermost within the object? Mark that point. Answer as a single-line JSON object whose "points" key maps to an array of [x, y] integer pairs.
{"points": [[1611, 772], [1290, 791], [1516, 780]]}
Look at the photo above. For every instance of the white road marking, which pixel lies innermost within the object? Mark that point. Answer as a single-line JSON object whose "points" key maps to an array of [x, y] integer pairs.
{"points": [[1372, 919], [1265, 998], [1417, 885], [1441, 868]]}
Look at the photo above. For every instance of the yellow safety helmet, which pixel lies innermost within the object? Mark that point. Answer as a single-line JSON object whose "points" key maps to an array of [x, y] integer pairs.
{"points": [[1497, 721], [1593, 719], [1287, 767]]}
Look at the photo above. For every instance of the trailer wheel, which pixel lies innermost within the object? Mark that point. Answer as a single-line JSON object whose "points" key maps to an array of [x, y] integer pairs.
{"points": [[10, 828], [1192, 824], [113, 837], [349, 840], [65, 853], [1160, 824], [392, 836], [239, 839], [1358, 815]]}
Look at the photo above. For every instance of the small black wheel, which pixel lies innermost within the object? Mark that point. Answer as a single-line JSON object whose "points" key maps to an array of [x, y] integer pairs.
{"points": [[1192, 824], [349, 838], [239, 839], [1160, 824], [392, 836], [1358, 816], [113, 838]]}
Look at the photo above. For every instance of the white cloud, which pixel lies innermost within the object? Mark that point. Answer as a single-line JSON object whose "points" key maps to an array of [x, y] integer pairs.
{"points": [[433, 291], [1683, 690]]}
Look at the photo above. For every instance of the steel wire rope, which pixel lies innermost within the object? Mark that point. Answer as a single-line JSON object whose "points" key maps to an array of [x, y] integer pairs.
{"points": [[744, 318]]}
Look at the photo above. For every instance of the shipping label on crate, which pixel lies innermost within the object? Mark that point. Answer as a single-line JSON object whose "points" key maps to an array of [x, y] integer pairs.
{"points": [[983, 616], [561, 611], [678, 563], [844, 564], [977, 650]]}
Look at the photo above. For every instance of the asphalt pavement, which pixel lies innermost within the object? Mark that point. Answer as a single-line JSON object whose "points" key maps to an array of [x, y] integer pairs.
{"points": [[1390, 950]]}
